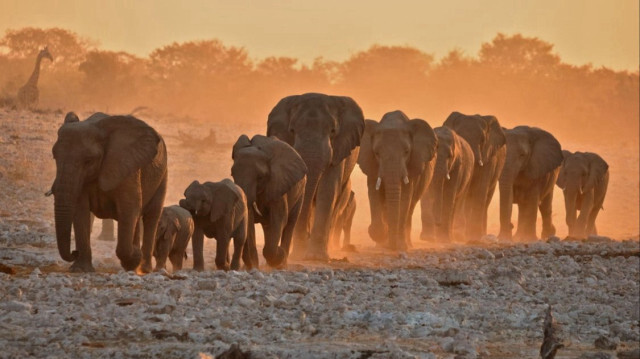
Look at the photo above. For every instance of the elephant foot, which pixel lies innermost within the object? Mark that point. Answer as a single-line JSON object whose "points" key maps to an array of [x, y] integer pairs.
{"points": [[507, 236], [548, 232], [145, 267], [349, 248], [81, 267]]}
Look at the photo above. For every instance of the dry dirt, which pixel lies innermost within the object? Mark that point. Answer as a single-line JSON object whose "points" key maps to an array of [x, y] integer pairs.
{"points": [[483, 299]]}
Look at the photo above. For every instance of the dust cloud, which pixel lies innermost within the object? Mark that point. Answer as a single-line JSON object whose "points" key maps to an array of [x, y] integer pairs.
{"points": [[186, 90]]}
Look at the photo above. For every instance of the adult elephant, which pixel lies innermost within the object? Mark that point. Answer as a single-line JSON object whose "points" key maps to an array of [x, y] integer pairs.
{"points": [[533, 161], [445, 196], [114, 167], [326, 132], [398, 156], [108, 226], [487, 140], [272, 176], [583, 178]]}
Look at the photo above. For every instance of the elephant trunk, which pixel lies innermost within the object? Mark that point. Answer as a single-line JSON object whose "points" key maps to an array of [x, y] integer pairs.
{"points": [[316, 164], [274, 254], [64, 211], [393, 192], [440, 176]]}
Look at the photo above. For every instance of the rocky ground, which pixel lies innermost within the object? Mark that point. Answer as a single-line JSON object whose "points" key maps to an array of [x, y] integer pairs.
{"points": [[478, 300]]}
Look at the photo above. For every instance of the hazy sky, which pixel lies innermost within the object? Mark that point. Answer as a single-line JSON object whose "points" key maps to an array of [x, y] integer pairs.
{"points": [[601, 32]]}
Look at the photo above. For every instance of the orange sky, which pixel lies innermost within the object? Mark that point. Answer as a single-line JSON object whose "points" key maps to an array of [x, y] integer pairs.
{"points": [[601, 32]]}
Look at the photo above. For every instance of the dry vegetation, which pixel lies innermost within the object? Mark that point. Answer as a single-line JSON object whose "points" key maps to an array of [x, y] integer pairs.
{"points": [[495, 306]]}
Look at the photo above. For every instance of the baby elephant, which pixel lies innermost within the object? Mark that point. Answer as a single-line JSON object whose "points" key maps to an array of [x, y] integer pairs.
{"points": [[219, 211], [175, 228], [584, 177]]}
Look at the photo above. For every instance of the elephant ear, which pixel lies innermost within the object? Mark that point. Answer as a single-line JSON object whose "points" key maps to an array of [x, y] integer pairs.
{"points": [[597, 170], [130, 145], [242, 142], [286, 167], [424, 146], [71, 117], [546, 153], [280, 118], [350, 128], [562, 179], [496, 135], [367, 158]]}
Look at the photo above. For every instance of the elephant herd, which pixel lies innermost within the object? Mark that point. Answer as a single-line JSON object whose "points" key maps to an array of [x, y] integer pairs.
{"points": [[295, 182]]}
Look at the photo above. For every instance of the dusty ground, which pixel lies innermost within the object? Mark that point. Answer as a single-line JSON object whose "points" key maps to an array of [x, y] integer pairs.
{"points": [[479, 300]]}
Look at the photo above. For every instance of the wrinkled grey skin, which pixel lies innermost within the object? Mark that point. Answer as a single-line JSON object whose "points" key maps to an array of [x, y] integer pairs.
{"points": [[583, 178], [114, 167], [447, 192], [174, 231], [398, 156], [344, 221], [325, 131], [219, 210], [487, 140], [273, 177], [529, 175]]}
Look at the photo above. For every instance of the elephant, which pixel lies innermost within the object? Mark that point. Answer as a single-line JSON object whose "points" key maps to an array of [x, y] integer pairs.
{"points": [[107, 224], [447, 192], [273, 177], [219, 210], [325, 130], [174, 231], [398, 156], [531, 168], [114, 167], [343, 223], [583, 178], [487, 140]]}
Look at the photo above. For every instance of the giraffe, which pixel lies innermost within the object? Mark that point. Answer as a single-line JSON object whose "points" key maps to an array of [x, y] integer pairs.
{"points": [[28, 94]]}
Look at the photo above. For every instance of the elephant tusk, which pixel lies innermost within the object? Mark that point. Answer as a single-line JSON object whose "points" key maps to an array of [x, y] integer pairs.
{"points": [[481, 163], [406, 180], [448, 177], [378, 183], [255, 208], [48, 193]]}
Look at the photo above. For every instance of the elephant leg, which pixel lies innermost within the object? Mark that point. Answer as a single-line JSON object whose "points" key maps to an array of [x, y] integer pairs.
{"points": [[446, 226], [378, 230], [325, 212], [527, 218], [250, 252], [272, 235], [426, 216], [128, 253], [287, 231], [548, 229], [107, 230], [222, 253], [150, 218], [585, 212], [346, 228], [459, 221], [82, 234], [197, 244], [408, 204], [161, 250], [239, 240]]}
